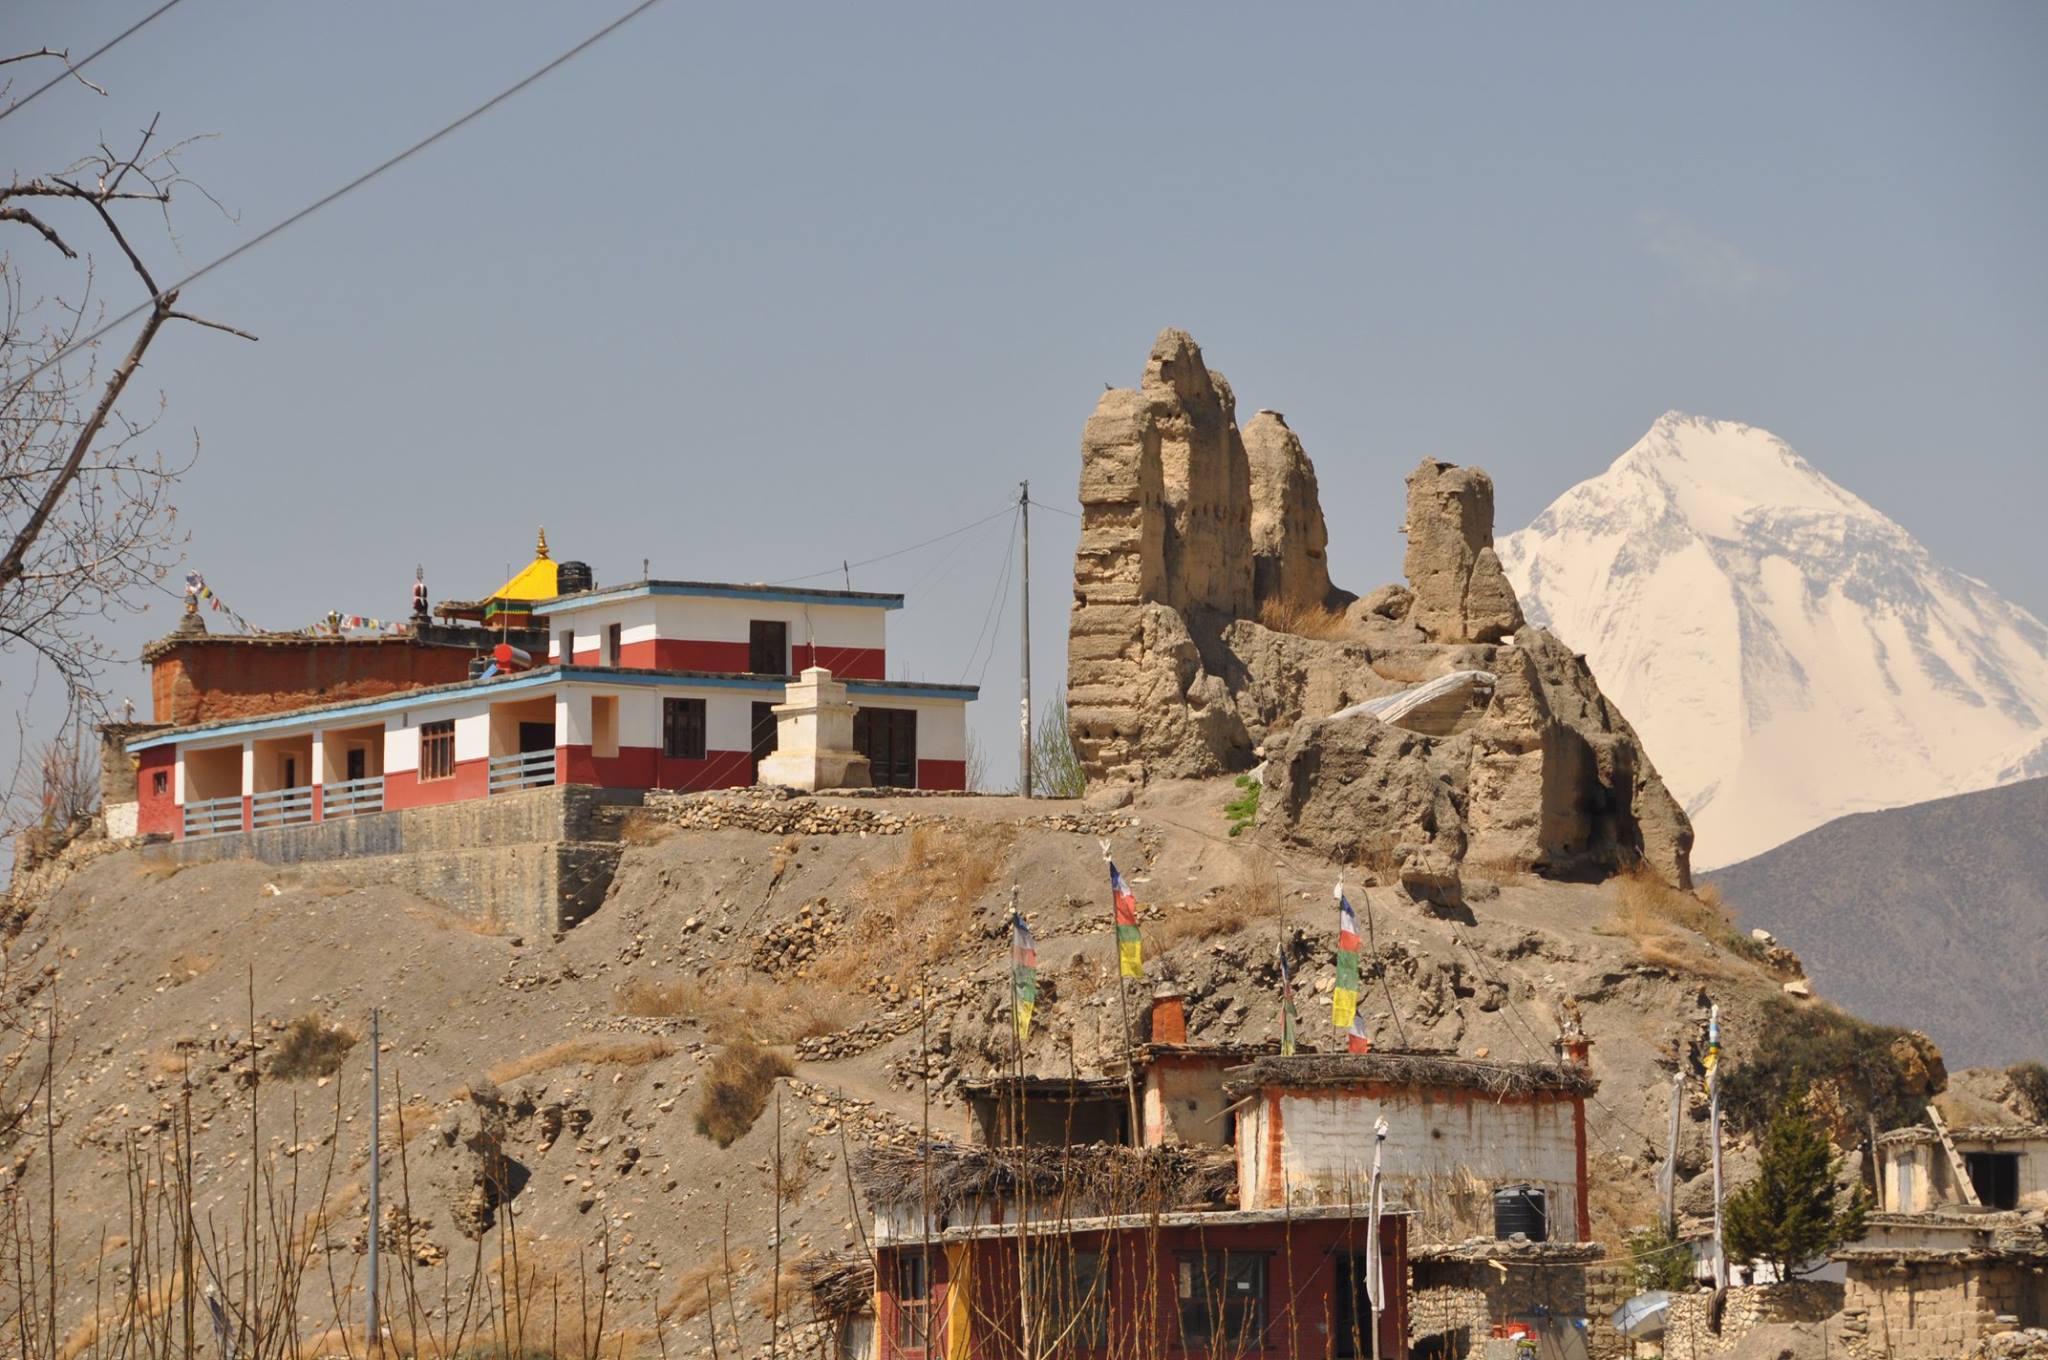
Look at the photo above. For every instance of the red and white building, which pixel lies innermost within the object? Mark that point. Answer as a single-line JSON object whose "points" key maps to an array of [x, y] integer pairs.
{"points": [[654, 684]]}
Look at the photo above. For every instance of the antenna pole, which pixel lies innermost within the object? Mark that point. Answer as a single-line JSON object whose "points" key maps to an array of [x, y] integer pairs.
{"points": [[1024, 685]]}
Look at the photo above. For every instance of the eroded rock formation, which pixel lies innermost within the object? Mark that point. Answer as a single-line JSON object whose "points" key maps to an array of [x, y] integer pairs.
{"points": [[1206, 633]]}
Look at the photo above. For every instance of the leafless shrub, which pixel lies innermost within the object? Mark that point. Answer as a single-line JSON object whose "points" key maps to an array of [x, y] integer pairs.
{"points": [[311, 1048], [736, 1090], [587, 1052]]}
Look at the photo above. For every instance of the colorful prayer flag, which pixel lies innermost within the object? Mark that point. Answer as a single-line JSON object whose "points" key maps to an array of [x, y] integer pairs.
{"points": [[1344, 999], [1023, 974], [1712, 1059], [1356, 1040], [1290, 1023], [1129, 952]]}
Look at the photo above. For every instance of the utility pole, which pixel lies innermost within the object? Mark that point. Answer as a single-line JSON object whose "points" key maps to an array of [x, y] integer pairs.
{"points": [[370, 1337], [1024, 701], [1714, 1131]]}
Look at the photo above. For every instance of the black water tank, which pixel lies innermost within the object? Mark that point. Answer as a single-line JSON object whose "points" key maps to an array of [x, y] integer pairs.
{"points": [[571, 577], [1519, 1209]]}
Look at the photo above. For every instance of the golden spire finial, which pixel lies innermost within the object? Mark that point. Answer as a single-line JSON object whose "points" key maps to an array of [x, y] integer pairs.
{"points": [[541, 549]]}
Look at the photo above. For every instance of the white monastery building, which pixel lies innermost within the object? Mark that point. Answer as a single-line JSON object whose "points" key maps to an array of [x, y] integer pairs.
{"points": [[650, 685]]}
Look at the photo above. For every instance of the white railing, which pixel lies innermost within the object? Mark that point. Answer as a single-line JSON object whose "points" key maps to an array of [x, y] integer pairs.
{"points": [[352, 796], [281, 807], [213, 816], [522, 770]]}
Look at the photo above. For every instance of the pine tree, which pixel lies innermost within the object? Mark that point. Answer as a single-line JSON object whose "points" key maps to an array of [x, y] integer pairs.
{"points": [[1792, 1215]]}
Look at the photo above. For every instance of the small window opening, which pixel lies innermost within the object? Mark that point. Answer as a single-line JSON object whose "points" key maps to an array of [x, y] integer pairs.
{"points": [[160, 783], [614, 644], [1996, 1178], [437, 750]]}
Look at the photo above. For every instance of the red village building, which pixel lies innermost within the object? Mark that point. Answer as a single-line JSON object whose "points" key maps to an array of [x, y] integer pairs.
{"points": [[1239, 1223], [645, 685]]}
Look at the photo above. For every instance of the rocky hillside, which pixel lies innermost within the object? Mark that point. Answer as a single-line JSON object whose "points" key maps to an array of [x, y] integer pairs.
{"points": [[1788, 652], [577, 1069], [1934, 915]]}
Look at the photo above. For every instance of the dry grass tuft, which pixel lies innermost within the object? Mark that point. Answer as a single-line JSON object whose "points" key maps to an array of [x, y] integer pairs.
{"points": [[445, 917], [704, 1286], [161, 1064], [588, 1052], [641, 827], [184, 967], [1670, 925], [916, 912], [780, 1295], [1309, 621], [1252, 901], [736, 1090], [752, 1006], [311, 1048], [784, 856], [157, 870]]}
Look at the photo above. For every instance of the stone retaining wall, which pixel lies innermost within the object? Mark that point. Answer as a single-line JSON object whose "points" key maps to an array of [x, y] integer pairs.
{"points": [[1688, 1337], [536, 861], [1453, 1305], [1920, 1310]]}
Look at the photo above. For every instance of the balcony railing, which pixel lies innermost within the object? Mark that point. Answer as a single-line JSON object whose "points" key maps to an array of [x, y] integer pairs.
{"points": [[281, 807], [213, 816], [522, 770], [352, 796]]}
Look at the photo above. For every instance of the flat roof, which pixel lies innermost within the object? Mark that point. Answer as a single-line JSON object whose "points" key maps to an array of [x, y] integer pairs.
{"points": [[720, 590], [1178, 1218], [1969, 1133], [539, 678], [1422, 1070]]}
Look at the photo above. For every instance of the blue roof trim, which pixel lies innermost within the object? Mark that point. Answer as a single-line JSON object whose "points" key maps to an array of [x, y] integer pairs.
{"points": [[538, 679], [563, 604]]}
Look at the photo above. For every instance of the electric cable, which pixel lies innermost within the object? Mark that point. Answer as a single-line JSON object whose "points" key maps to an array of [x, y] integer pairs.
{"points": [[358, 182], [72, 68], [1008, 507]]}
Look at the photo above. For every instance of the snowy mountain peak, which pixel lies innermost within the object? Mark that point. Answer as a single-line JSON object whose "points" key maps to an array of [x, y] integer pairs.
{"points": [[1787, 652]]}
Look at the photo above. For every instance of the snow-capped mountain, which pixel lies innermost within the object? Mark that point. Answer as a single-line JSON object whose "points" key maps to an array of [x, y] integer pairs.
{"points": [[1787, 653]]}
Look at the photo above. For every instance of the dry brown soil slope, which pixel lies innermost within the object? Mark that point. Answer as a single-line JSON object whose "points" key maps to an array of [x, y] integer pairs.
{"points": [[153, 971]]}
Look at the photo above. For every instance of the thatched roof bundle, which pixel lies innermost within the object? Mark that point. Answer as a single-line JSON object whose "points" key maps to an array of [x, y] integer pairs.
{"points": [[1396, 1068], [1105, 1176]]}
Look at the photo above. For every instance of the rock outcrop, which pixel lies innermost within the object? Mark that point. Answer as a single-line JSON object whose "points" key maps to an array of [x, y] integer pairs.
{"points": [[1206, 632], [1460, 592]]}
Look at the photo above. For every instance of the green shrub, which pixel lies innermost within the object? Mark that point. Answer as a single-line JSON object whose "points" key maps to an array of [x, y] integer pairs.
{"points": [[1792, 1215], [1243, 810], [311, 1048], [1659, 1260], [1806, 1045], [736, 1090]]}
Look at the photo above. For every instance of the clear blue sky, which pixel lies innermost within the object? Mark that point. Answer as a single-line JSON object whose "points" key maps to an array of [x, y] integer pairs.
{"points": [[747, 290]]}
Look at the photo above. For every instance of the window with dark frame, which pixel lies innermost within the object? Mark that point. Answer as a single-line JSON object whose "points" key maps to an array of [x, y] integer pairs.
{"points": [[913, 1302], [1351, 1304], [614, 644], [682, 729], [566, 645], [1222, 1298], [160, 783], [767, 647], [437, 750]]}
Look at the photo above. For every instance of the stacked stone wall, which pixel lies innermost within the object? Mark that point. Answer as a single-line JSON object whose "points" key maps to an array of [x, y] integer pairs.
{"points": [[1688, 1336], [1453, 1306], [1941, 1309], [537, 861]]}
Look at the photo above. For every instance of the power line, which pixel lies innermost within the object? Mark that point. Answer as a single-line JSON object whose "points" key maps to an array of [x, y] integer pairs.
{"points": [[1008, 507], [1002, 581], [358, 182], [1055, 509], [72, 68]]}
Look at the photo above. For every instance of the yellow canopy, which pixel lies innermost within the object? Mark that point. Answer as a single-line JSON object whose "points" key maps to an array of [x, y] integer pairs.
{"points": [[535, 581]]}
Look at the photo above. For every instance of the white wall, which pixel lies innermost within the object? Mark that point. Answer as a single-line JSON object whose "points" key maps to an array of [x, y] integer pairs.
{"points": [[402, 732], [699, 618], [1446, 1152]]}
